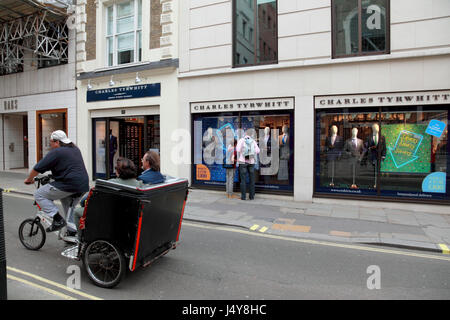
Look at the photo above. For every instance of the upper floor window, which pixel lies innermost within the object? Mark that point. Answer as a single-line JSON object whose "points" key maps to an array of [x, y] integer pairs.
{"points": [[360, 27], [255, 32], [124, 32]]}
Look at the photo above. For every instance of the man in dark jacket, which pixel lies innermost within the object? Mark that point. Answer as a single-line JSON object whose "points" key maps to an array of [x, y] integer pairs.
{"points": [[70, 175], [151, 166]]}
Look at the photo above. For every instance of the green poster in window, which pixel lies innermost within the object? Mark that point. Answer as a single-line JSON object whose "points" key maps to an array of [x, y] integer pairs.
{"points": [[408, 148]]}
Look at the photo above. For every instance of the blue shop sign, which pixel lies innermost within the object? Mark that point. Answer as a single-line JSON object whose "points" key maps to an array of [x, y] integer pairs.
{"points": [[128, 92], [436, 128]]}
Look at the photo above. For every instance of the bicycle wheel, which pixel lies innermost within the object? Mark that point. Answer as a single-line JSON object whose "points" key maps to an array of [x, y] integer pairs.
{"points": [[104, 263], [32, 234]]}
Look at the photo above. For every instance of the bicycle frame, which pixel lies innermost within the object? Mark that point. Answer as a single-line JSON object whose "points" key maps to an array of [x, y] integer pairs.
{"points": [[70, 225]]}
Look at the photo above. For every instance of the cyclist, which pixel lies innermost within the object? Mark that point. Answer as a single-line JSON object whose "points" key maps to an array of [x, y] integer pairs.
{"points": [[67, 166]]}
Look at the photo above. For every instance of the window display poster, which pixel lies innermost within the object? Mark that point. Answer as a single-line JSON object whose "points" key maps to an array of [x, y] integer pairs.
{"points": [[408, 148]]}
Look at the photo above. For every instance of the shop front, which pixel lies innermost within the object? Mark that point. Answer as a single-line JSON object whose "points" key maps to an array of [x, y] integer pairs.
{"points": [[270, 122], [26, 123], [123, 131], [390, 146], [123, 113]]}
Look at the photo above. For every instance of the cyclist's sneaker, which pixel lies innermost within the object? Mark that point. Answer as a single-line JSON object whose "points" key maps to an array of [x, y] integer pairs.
{"points": [[57, 224], [71, 233]]}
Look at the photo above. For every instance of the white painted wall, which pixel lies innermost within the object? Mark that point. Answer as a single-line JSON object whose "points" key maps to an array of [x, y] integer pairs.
{"points": [[418, 28]]}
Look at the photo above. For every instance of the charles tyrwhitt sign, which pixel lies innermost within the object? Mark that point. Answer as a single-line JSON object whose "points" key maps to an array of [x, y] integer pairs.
{"points": [[383, 100], [243, 105], [128, 92]]}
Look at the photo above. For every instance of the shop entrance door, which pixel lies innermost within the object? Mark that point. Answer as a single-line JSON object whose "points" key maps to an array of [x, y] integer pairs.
{"points": [[47, 122], [128, 137]]}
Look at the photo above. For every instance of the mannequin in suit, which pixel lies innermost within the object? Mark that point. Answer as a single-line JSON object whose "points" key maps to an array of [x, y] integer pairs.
{"points": [[376, 146], [265, 154], [112, 151], [333, 148], [355, 149], [283, 172]]}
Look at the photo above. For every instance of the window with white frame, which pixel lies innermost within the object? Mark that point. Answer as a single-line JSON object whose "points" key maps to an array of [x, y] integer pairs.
{"points": [[124, 32]]}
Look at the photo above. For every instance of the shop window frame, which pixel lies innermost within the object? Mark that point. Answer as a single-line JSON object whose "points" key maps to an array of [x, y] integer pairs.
{"points": [[252, 31], [365, 197], [240, 115], [360, 53]]}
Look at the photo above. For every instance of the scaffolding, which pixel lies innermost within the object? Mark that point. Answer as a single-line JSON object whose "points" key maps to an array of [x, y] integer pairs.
{"points": [[32, 26]]}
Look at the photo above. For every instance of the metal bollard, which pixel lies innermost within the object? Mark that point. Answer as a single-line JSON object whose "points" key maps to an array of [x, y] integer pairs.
{"points": [[3, 288]]}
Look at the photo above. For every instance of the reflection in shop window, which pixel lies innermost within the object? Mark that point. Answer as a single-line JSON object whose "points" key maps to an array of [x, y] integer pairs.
{"points": [[360, 27], [256, 32], [387, 152]]}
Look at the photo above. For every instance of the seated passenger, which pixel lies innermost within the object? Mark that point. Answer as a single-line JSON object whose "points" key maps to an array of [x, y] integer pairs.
{"points": [[126, 173], [150, 164]]}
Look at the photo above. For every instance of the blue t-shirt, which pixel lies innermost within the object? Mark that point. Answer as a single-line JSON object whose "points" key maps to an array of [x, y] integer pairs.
{"points": [[67, 167], [150, 176]]}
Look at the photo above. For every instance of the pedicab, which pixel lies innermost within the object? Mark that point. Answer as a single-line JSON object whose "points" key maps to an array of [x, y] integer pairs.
{"points": [[126, 227]]}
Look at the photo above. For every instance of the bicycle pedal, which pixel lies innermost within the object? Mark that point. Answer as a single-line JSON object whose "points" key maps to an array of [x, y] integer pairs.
{"points": [[71, 253]]}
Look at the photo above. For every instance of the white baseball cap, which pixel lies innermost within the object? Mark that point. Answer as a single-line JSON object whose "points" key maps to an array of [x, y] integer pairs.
{"points": [[60, 135]]}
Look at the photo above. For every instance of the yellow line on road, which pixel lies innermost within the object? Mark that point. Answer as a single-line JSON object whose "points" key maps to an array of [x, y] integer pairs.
{"points": [[53, 292], [444, 248], [322, 243], [60, 286]]}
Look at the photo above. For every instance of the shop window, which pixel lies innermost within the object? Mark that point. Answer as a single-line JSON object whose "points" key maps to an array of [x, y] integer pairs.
{"points": [[255, 28], [272, 132], [360, 27], [416, 161], [124, 32], [383, 152]]}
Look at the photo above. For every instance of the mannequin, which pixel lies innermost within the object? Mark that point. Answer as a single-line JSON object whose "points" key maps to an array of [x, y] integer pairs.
{"points": [[333, 148], [267, 136], [355, 150], [266, 148], [283, 172], [376, 146], [265, 156]]}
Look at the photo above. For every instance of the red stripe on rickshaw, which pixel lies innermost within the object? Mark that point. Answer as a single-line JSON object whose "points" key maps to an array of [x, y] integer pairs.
{"points": [[181, 219], [137, 242], [86, 203]]}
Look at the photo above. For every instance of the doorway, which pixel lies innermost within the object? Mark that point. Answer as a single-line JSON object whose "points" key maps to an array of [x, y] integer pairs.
{"points": [[128, 137], [47, 122]]}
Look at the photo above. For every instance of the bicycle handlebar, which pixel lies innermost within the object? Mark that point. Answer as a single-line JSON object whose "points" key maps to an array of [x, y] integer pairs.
{"points": [[43, 180]]}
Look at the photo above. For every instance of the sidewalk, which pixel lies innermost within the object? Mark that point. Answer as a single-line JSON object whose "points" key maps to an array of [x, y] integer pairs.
{"points": [[336, 221]]}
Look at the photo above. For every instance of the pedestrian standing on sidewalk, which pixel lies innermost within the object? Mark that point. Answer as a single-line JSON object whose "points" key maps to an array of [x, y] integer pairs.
{"points": [[247, 150], [230, 166]]}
